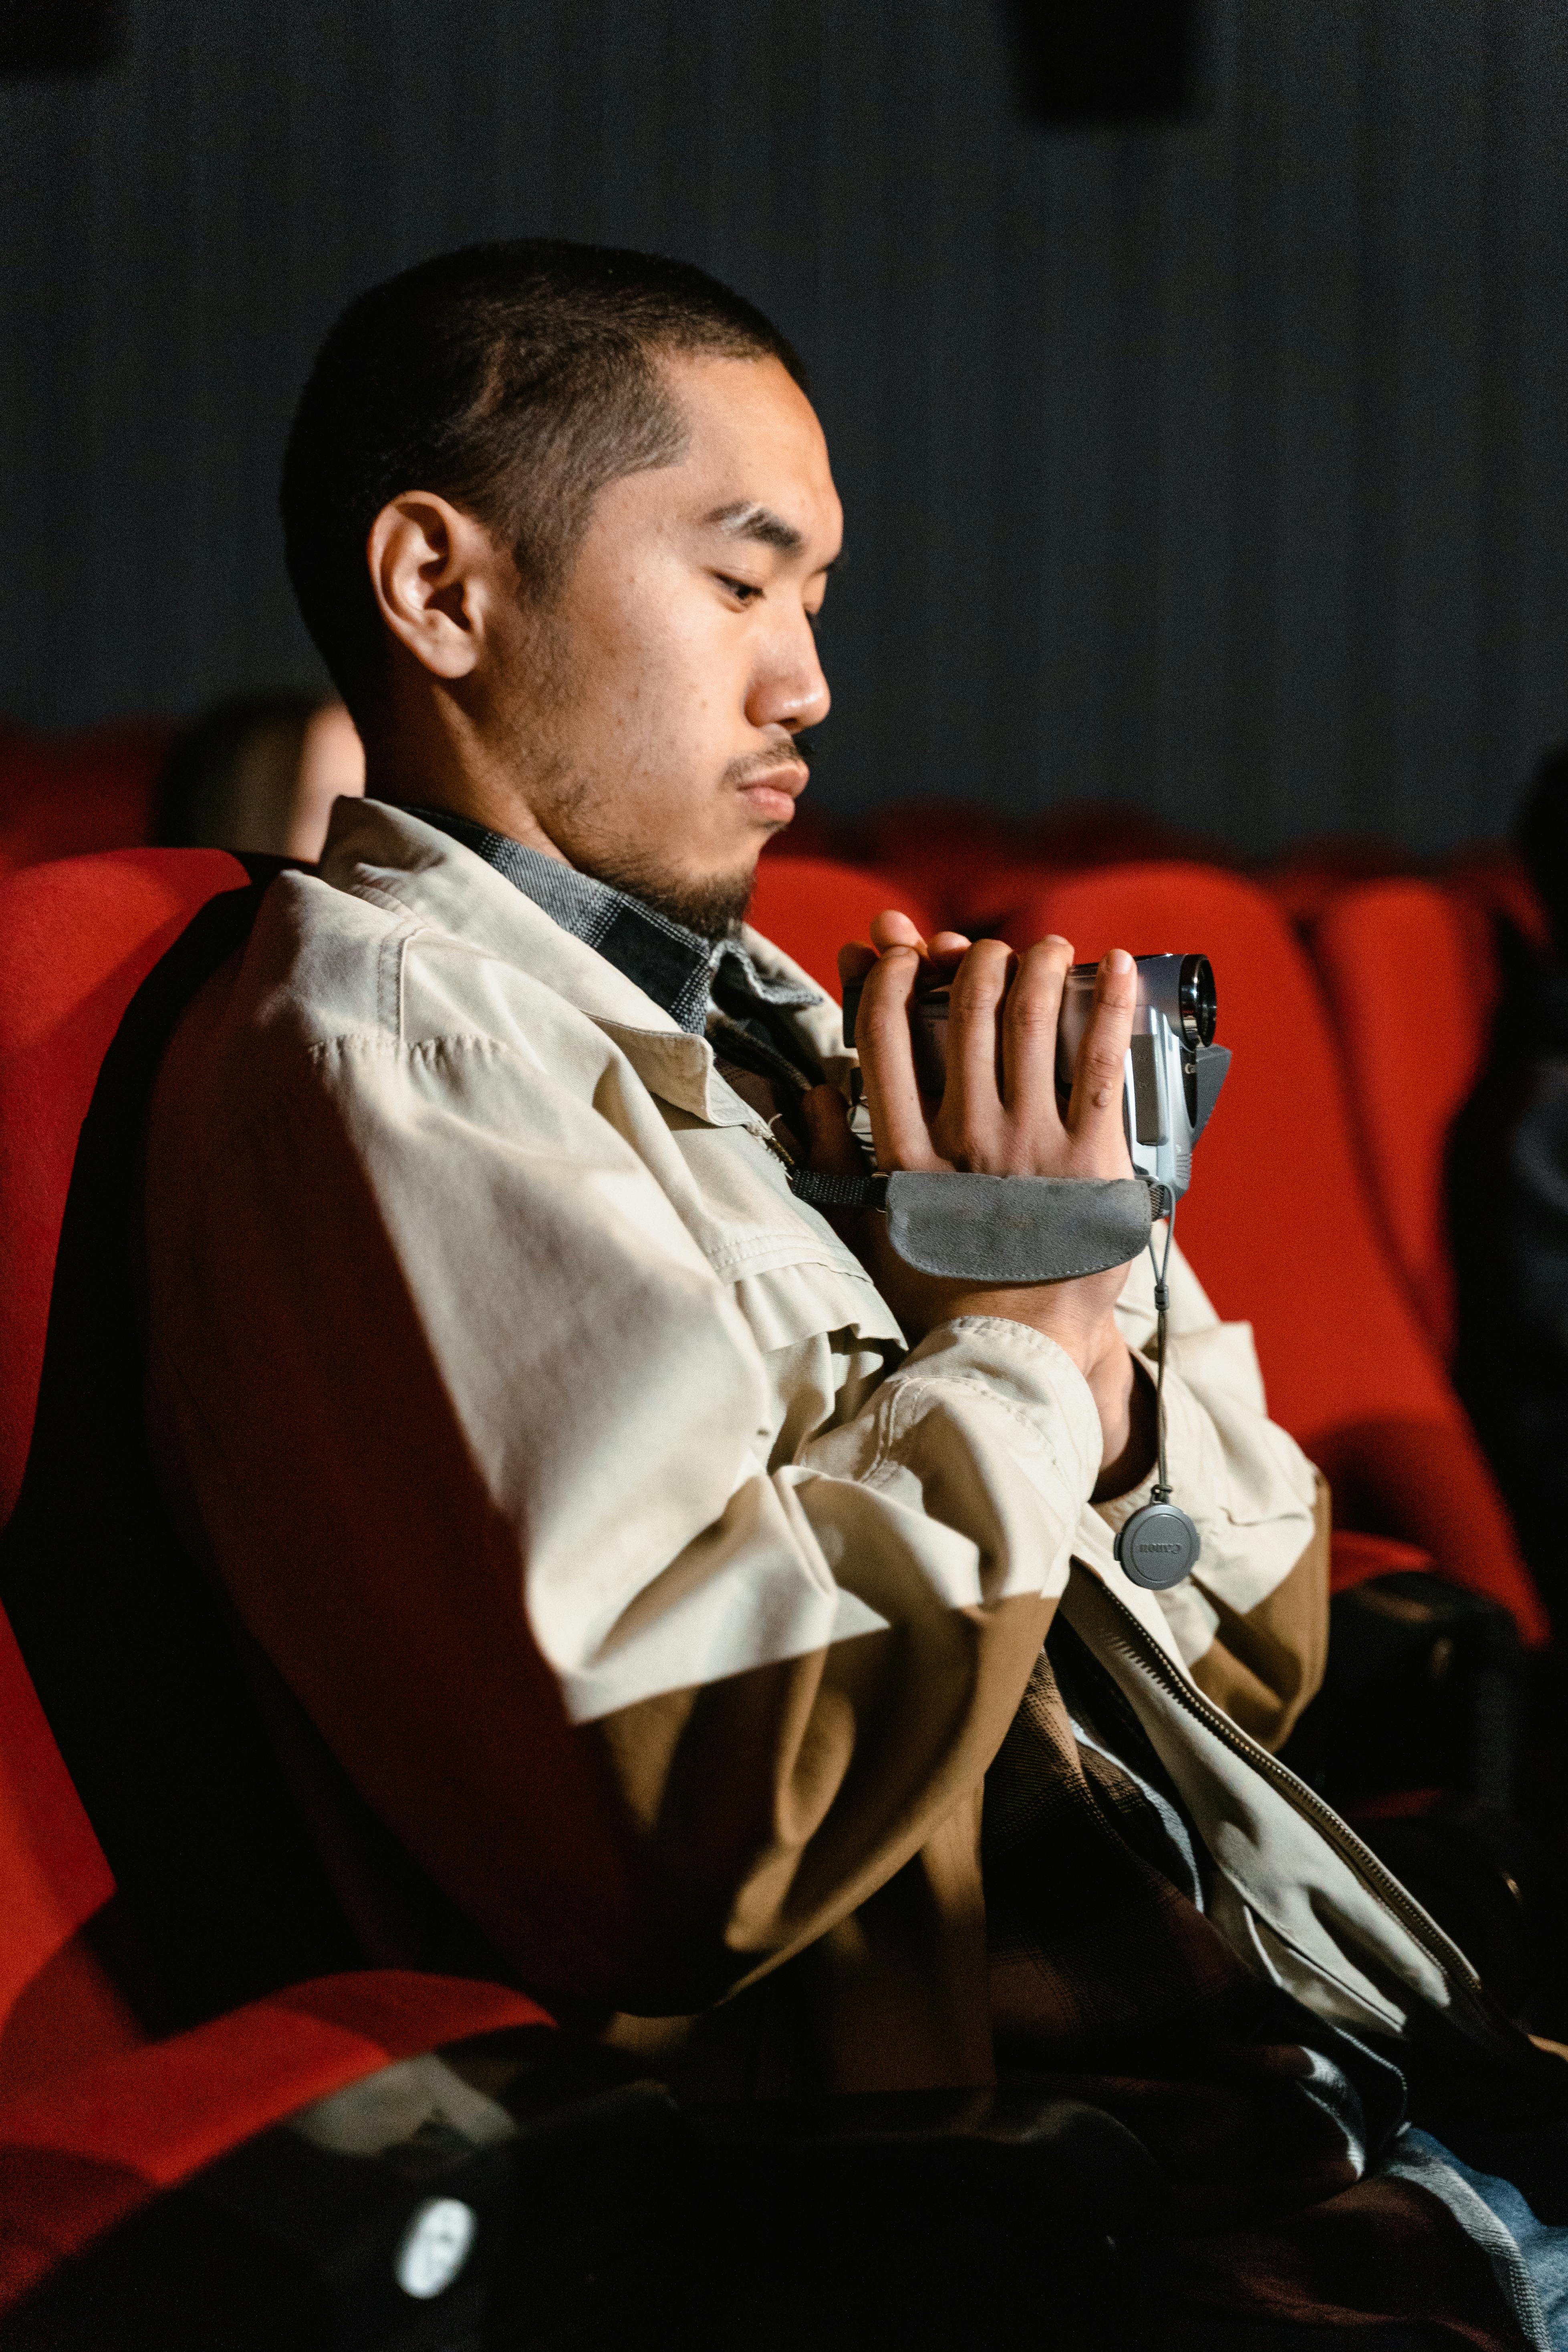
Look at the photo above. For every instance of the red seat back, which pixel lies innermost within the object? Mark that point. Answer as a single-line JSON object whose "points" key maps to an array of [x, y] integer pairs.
{"points": [[75, 941], [1280, 1228], [66, 797], [1309, 877], [1411, 981], [811, 906], [1494, 880]]}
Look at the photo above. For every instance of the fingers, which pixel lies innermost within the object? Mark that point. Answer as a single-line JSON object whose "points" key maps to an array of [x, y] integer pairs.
{"points": [[1094, 1114], [972, 1108], [888, 1060], [1029, 1029], [1000, 1107], [892, 929]]}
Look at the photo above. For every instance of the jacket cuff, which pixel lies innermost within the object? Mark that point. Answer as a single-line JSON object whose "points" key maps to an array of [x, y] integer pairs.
{"points": [[1022, 1368]]}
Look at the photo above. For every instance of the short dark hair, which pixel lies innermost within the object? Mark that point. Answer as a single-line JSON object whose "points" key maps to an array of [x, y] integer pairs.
{"points": [[517, 380]]}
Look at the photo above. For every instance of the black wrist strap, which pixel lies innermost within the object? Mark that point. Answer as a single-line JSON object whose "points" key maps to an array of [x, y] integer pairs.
{"points": [[1162, 1311], [867, 1192]]}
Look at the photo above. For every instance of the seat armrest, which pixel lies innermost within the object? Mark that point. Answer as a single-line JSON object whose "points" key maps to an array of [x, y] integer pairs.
{"points": [[414, 2210]]}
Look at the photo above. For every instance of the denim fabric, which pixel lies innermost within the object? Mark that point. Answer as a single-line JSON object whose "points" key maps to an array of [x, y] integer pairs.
{"points": [[1529, 2256]]}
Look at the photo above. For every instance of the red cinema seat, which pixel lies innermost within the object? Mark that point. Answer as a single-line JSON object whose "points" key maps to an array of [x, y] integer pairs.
{"points": [[77, 938], [945, 851], [65, 796], [60, 2003], [94, 2123], [1279, 1229], [1309, 877], [811, 906], [1411, 980], [1494, 880], [969, 864], [1066, 841], [84, 2153]]}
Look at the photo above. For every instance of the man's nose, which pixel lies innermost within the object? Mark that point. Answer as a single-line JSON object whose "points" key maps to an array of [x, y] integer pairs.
{"points": [[788, 688]]}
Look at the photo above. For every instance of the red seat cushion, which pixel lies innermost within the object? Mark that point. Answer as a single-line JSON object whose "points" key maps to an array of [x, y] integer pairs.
{"points": [[811, 906], [80, 2155], [1279, 1227]]}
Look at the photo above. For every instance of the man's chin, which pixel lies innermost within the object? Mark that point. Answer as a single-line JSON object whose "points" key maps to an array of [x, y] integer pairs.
{"points": [[712, 905]]}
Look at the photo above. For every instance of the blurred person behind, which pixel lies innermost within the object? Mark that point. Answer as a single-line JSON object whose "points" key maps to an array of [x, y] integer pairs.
{"points": [[260, 772]]}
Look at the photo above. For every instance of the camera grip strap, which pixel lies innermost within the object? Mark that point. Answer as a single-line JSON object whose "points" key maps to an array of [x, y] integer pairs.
{"points": [[996, 1229]]}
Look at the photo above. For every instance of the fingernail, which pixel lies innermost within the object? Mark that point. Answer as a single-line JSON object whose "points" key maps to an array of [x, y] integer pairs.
{"points": [[1119, 960]]}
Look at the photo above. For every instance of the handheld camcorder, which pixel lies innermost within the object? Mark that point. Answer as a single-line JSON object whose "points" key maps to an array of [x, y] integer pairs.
{"points": [[1173, 1071], [1032, 1229]]}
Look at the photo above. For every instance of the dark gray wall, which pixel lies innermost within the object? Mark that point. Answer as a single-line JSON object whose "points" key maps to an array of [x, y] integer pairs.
{"points": [[1222, 469]]}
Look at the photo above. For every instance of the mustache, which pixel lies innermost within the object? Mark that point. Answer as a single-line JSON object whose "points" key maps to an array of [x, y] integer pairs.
{"points": [[754, 765]]}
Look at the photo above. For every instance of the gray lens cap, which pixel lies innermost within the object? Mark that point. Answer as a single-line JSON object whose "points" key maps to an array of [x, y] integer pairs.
{"points": [[1158, 1546]]}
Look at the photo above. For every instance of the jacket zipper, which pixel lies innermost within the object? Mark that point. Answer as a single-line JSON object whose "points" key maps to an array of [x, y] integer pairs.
{"points": [[1379, 1879]]}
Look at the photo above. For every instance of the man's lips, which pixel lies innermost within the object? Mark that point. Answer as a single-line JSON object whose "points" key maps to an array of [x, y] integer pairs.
{"points": [[773, 794]]}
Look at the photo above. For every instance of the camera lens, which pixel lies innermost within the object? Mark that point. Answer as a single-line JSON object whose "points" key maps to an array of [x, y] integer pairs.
{"points": [[1199, 1004]]}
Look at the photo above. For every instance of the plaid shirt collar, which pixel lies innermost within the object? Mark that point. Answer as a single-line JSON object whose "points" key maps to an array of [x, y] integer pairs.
{"points": [[677, 968]]}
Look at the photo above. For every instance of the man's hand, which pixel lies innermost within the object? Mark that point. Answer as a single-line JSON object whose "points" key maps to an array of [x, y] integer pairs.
{"points": [[998, 1116]]}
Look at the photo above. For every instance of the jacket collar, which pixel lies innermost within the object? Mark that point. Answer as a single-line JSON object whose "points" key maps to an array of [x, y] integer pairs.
{"points": [[667, 961], [386, 854], [684, 972]]}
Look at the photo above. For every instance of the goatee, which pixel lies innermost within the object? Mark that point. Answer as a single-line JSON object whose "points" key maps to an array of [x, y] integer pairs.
{"points": [[713, 908]]}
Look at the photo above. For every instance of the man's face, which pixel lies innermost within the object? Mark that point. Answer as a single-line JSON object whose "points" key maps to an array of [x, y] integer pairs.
{"points": [[655, 705]]}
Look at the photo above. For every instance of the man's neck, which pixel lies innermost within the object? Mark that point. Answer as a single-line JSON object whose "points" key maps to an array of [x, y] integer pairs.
{"points": [[438, 753], [500, 813]]}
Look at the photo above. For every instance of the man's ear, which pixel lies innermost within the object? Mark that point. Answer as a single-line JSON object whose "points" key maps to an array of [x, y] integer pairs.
{"points": [[433, 569]]}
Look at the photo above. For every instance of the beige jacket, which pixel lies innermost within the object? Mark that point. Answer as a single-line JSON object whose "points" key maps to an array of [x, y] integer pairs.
{"points": [[575, 1483]]}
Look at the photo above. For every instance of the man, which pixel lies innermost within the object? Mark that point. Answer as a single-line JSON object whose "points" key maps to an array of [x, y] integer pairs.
{"points": [[725, 1626]]}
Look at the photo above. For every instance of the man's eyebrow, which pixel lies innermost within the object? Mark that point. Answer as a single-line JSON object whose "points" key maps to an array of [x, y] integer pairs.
{"points": [[744, 519]]}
